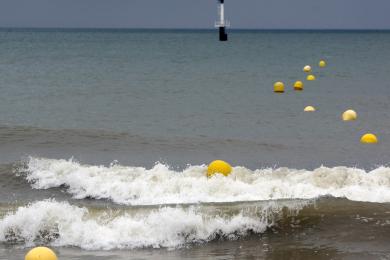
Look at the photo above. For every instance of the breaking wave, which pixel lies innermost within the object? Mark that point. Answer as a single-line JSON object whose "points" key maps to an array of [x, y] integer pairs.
{"points": [[62, 224], [160, 185]]}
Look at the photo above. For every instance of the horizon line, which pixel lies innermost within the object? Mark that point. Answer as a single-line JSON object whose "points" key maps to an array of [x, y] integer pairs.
{"points": [[192, 29]]}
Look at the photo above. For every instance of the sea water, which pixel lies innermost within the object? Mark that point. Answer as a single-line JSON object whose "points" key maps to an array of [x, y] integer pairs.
{"points": [[105, 136]]}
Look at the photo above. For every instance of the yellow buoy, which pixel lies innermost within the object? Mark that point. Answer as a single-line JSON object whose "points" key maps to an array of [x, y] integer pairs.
{"points": [[41, 253], [311, 77], [218, 166], [279, 87], [369, 139], [309, 109], [322, 63], [307, 68], [349, 115], [298, 85]]}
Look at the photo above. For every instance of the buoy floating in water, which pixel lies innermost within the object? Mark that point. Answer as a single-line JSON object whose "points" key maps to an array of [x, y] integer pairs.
{"points": [[322, 64], [369, 139], [310, 77], [298, 85], [309, 109], [219, 166], [279, 87], [349, 115], [307, 68], [40, 253]]}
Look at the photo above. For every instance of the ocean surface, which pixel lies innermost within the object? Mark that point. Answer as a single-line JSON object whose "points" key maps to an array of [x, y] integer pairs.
{"points": [[105, 137]]}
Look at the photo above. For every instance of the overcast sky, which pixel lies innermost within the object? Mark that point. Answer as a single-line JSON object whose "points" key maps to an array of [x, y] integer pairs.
{"points": [[262, 14]]}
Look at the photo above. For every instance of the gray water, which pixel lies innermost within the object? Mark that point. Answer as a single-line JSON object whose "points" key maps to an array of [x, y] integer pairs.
{"points": [[184, 88], [182, 97]]}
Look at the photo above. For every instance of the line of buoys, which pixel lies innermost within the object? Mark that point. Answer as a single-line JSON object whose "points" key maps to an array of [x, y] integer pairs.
{"points": [[224, 168], [219, 166], [298, 85], [40, 253], [348, 115]]}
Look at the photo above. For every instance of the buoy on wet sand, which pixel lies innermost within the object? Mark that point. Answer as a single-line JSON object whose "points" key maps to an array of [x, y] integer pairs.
{"points": [[41, 253], [279, 87], [349, 115], [369, 139], [298, 85], [218, 166], [322, 64], [307, 68], [309, 109], [310, 77]]}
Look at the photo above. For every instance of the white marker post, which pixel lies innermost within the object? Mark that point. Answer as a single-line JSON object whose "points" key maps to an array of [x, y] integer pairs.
{"points": [[221, 24]]}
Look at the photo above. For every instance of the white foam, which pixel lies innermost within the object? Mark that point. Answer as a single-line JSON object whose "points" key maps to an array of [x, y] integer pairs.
{"points": [[70, 225], [160, 185]]}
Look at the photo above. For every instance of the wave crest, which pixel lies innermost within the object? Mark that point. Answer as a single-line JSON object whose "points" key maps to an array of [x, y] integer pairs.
{"points": [[62, 224], [161, 185]]}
